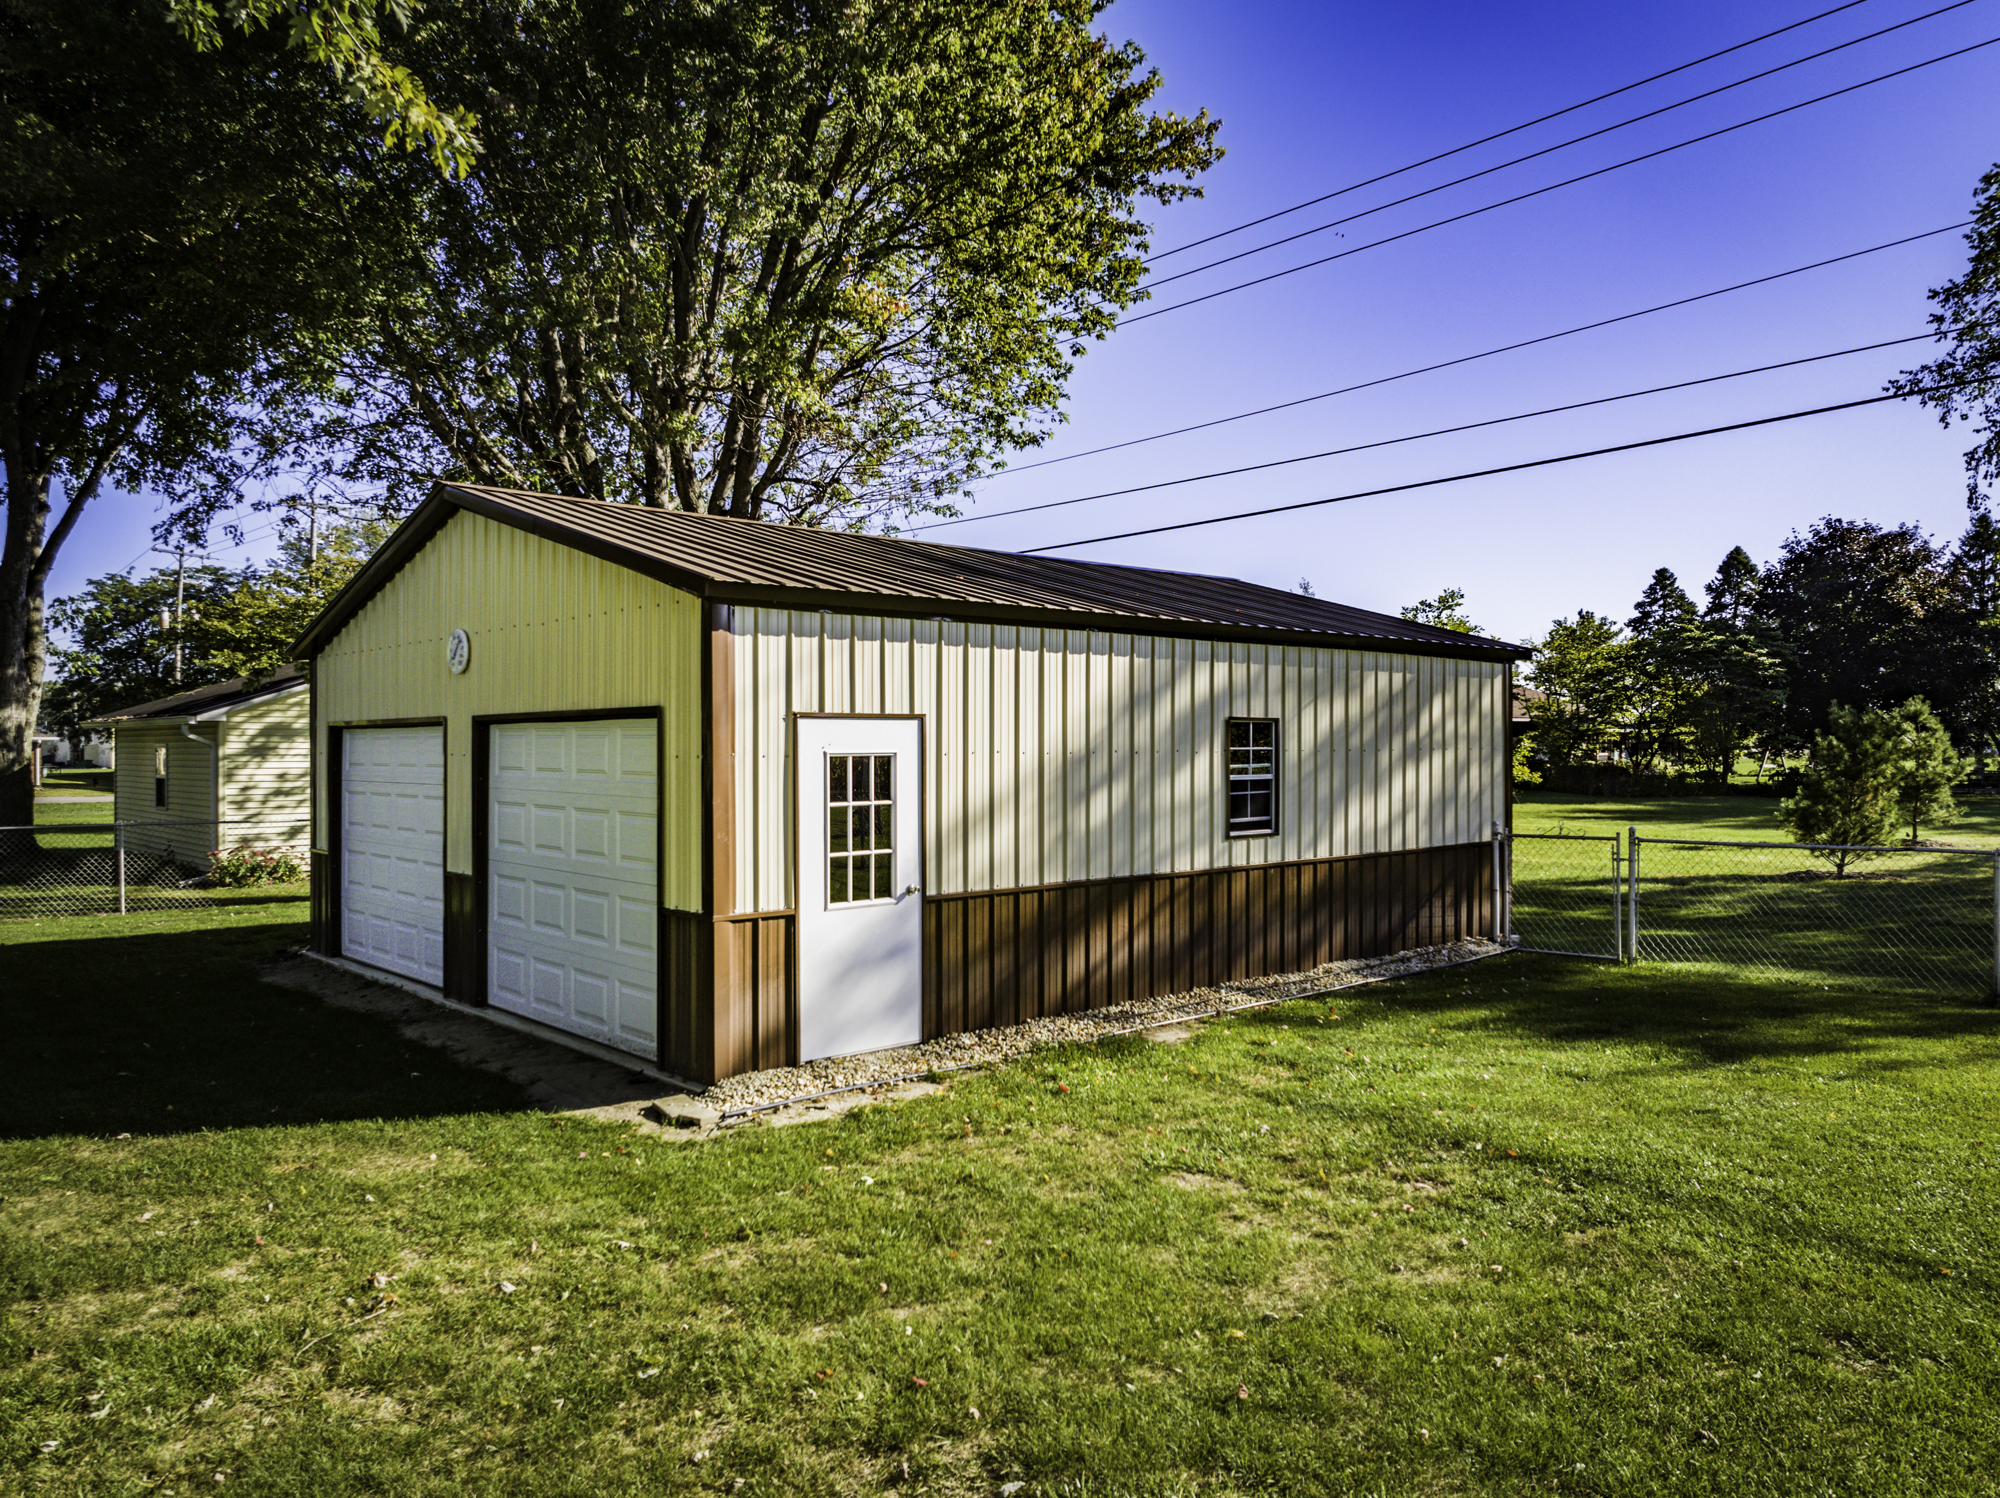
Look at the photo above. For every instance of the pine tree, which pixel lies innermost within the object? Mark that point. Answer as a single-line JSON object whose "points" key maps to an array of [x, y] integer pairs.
{"points": [[1732, 592], [1847, 796], [1663, 606], [1927, 766]]}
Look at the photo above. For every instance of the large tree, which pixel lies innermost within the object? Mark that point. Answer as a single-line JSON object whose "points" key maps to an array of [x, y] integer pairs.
{"points": [[172, 226], [1963, 383], [1872, 618], [1583, 666], [818, 261]]}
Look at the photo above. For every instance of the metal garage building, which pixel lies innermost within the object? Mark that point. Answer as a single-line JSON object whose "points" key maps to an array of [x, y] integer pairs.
{"points": [[725, 795]]}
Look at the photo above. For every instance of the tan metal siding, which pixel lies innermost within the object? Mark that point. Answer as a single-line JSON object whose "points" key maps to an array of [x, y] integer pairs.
{"points": [[267, 772], [552, 631], [1053, 756]]}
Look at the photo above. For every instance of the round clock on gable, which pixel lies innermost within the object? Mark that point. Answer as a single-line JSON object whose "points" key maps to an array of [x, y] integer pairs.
{"points": [[458, 651]]}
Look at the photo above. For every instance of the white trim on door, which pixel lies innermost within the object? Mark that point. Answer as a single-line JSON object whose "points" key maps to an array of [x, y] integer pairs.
{"points": [[859, 799]]}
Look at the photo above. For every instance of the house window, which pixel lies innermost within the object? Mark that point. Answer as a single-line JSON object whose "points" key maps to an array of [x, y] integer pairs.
{"points": [[1253, 776], [860, 830], [160, 776]]}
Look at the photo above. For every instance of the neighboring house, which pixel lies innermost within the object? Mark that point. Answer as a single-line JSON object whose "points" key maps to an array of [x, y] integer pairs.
{"points": [[229, 764], [727, 795]]}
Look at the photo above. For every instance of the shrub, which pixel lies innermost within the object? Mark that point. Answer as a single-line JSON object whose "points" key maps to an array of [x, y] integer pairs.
{"points": [[238, 868]]}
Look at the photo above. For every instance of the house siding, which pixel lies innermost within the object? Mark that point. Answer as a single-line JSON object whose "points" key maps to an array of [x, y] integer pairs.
{"points": [[267, 772], [190, 791], [553, 631], [1057, 757]]}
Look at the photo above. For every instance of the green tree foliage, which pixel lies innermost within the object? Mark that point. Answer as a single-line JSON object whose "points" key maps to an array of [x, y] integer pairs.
{"points": [[1446, 611], [1871, 617], [249, 630], [119, 653], [1963, 385], [345, 37], [1926, 766], [1847, 796], [173, 227], [234, 623], [1664, 634], [818, 263], [1584, 668], [1732, 592], [1975, 577]]}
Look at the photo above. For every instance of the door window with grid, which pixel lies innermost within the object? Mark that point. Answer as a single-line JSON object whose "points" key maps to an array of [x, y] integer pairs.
{"points": [[860, 828], [1253, 776]]}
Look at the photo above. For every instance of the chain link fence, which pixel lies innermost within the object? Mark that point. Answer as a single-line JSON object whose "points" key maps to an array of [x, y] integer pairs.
{"points": [[115, 868], [1566, 896], [1917, 917]]}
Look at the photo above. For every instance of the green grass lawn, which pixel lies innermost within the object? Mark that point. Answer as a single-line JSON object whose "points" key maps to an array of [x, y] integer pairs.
{"points": [[1726, 818], [75, 782], [1921, 920], [1531, 1225]]}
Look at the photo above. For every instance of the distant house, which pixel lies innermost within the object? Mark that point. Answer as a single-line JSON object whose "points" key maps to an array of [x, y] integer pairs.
{"points": [[226, 765]]}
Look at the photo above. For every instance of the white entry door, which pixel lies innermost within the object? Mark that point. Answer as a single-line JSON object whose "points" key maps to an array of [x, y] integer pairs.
{"points": [[573, 887], [392, 849], [861, 920]]}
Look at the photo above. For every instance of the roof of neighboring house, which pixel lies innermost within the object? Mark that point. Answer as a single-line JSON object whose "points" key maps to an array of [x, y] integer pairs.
{"points": [[216, 698], [782, 566]]}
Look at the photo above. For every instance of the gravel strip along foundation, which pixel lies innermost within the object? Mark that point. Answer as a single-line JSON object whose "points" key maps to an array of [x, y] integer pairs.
{"points": [[754, 1092]]}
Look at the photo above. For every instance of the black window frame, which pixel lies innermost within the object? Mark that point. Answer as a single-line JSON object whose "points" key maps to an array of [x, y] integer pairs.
{"points": [[1265, 825], [159, 775]]}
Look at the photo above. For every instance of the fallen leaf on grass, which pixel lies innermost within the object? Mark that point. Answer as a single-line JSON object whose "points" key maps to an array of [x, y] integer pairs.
{"points": [[505, 1288], [649, 1372], [204, 1404], [1242, 1391], [922, 1383], [144, 1217]]}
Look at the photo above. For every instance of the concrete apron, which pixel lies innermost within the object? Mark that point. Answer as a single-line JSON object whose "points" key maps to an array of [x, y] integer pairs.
{"points": [[558, 1073]]}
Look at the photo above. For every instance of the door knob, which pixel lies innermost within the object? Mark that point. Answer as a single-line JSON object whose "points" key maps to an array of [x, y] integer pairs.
{"points": [[913, 890]]}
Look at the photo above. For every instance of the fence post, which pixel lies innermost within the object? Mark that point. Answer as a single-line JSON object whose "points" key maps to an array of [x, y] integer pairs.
{"points": [[1632, 895], [1617, 898], [1996, 928], [1498, 928], [118, 849]]}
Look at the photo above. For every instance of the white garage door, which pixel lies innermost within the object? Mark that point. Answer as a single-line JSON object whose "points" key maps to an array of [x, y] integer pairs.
{"points": [[573, 905], [392, 849]]}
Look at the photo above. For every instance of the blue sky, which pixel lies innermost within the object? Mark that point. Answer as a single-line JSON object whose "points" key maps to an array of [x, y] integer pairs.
{"points": [[1312, 98]]}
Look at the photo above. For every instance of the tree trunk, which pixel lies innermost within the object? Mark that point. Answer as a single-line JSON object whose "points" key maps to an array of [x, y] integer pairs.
{"points": [[23, 654]]}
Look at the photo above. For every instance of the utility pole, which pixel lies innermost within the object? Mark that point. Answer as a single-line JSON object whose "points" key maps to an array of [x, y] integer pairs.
{"points": [[180, 580], [180, 593], [312, 531]]}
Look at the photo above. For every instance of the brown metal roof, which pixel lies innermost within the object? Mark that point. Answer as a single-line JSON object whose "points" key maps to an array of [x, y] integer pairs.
{"points": [[215, 697], [753, 562]]}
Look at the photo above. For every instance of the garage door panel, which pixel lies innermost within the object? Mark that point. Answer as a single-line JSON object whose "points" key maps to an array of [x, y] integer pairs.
{"points": [[573, 823], [638, 928], [392, 849]]}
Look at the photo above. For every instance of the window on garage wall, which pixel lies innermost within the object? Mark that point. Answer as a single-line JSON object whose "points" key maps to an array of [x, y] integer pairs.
{"points": [[1253, 776]]}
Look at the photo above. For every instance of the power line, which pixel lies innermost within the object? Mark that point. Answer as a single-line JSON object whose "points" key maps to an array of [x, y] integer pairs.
{"points": [[1506, 348], [1499, 134], [1482, 473], [1559, 146], [1470, 426], [1554, 186]]}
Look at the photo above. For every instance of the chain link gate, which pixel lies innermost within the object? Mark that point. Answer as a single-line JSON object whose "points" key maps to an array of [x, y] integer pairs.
{"points": [[1917, 917], [1570, 903]]}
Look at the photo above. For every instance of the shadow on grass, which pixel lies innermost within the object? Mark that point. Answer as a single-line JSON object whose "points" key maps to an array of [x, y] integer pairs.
{"points": [[1712, 1018], [166, 1032]]}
